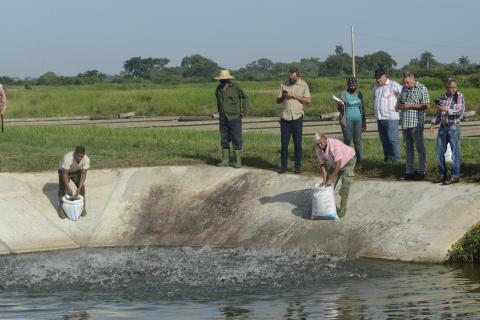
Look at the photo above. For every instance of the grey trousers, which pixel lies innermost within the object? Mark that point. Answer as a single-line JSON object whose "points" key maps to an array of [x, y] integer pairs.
{"points": [[413, 139]]}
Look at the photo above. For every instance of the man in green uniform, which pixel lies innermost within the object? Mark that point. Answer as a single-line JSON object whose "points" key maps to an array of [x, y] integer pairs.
{"points": [[232, 104]]}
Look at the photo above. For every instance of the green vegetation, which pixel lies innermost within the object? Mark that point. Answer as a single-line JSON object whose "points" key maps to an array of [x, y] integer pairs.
{"points": [[467, 250], [176, 100], [40, 148]]}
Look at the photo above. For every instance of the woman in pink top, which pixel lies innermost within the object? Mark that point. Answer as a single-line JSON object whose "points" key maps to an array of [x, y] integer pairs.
{"points": [[341, 165]]}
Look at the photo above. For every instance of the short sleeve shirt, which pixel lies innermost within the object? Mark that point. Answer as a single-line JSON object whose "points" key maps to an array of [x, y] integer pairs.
{"points": [[69, 163], [336, 150], [292, 108]]}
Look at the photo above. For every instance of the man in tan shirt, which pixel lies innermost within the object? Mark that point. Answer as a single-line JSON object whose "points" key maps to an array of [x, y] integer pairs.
{"points": [[293, 94]]}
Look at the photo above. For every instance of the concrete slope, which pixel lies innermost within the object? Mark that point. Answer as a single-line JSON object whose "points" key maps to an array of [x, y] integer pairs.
{"points": [[202, 205]]}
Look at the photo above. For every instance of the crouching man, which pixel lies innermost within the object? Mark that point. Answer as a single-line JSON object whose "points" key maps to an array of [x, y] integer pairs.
{"points": [[73, 167], [340, 159]]}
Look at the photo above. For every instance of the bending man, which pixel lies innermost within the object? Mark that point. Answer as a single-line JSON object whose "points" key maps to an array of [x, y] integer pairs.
{"points": [[73, 167]]}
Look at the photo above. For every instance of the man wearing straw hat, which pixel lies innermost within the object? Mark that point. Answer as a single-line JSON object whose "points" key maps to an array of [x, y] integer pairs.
{"points": [[232, 104], [340, 160]]}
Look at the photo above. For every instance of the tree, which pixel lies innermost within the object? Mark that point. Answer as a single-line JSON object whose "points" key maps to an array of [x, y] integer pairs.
{"points": [[91, 76], [337, 64], [338, 49], [379, 59], [198, 66], [427, 60], [138, 67]]}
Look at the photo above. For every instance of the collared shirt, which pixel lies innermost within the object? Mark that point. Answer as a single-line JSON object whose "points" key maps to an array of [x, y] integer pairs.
{"points": [[385, 100], [417, 95], [335, 151], [456, 108], [69, 163], [231, 102], [292, 108], [3, 99]]}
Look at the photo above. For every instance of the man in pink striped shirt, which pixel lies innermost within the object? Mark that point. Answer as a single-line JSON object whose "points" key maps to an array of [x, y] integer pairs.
{"points": [[341, 165], [3, 101]]}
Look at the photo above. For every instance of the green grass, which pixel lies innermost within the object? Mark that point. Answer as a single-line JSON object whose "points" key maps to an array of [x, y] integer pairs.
{"points": [[40, 148], [192, 99]]}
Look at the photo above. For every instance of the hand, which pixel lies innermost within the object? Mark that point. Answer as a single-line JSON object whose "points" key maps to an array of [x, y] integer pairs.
{"points": [[69, 191], [241, 115], [432, 128], [441, 108], [364, 127], [290, 95], [328, 183]]}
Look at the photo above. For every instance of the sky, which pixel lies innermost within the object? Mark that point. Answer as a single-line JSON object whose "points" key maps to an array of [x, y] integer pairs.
{"points": [[68, 37]]}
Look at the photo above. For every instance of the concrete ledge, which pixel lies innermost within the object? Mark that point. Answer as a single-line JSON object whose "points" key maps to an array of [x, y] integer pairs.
{"points": [[203, 205]]}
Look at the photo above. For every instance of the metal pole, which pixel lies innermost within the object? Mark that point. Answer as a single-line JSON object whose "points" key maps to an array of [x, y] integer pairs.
{"points": [[353, 53]]}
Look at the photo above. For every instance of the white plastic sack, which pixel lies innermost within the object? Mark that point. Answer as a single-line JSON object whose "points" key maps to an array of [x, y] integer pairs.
{"points": [[448, 154], [323, 203], [72, 206]]}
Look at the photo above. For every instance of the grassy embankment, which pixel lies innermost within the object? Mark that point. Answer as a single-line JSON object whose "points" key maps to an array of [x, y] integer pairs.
{"points": [[157, 100]]}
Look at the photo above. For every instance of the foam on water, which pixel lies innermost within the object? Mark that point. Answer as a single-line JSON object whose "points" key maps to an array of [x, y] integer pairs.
{"points": [[204, 267]]}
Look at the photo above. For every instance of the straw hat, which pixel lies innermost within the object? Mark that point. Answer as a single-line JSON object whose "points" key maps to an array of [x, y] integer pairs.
{"points": [[223, 75]]}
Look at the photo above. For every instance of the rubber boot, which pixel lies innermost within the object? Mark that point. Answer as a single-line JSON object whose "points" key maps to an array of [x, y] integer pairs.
{"points": [[60, 212], [84, 211], [344, 191], [225, 158], [238, 159], [343, 206]]}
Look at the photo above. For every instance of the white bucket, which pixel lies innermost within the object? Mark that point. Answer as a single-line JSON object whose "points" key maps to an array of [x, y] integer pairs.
{"points": [[72, 206], [323, 203]]}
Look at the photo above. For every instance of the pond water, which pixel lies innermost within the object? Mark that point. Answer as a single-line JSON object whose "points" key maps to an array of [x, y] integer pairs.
{"points": [[213, 283]]}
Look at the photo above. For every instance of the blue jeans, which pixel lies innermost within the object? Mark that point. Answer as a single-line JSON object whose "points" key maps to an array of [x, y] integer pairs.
{"points": [[293, 128], [353, 130], [413, 139], [448, 134], [388, 132]]}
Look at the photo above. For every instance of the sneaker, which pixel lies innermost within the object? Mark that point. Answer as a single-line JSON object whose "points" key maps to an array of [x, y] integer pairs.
{"points": [[419, 176], [439, 179], [451, 181]]}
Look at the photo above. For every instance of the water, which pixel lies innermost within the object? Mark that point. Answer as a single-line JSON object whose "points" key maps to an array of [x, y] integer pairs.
{"points": [[207, 283]]}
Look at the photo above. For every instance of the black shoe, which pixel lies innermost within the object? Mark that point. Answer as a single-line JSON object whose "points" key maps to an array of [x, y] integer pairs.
{"points": [[408, 176], [282, 170], [452, 180], [298, 171], [419, 176], [439, 179]]}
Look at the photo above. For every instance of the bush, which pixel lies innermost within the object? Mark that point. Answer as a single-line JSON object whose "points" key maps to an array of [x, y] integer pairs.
{"points": [[467, 250], [432, 83]]}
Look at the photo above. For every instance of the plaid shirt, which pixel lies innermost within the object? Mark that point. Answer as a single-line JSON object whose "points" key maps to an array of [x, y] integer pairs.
{"points": [[456, 108], [418, 95]]}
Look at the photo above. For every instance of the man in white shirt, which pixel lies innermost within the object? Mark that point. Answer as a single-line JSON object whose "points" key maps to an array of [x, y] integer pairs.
{"points": [[73, 167], [385, 93]]}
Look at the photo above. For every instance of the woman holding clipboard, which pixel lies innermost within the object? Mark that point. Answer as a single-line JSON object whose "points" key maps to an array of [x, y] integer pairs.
{"points": [[352, 116]]}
